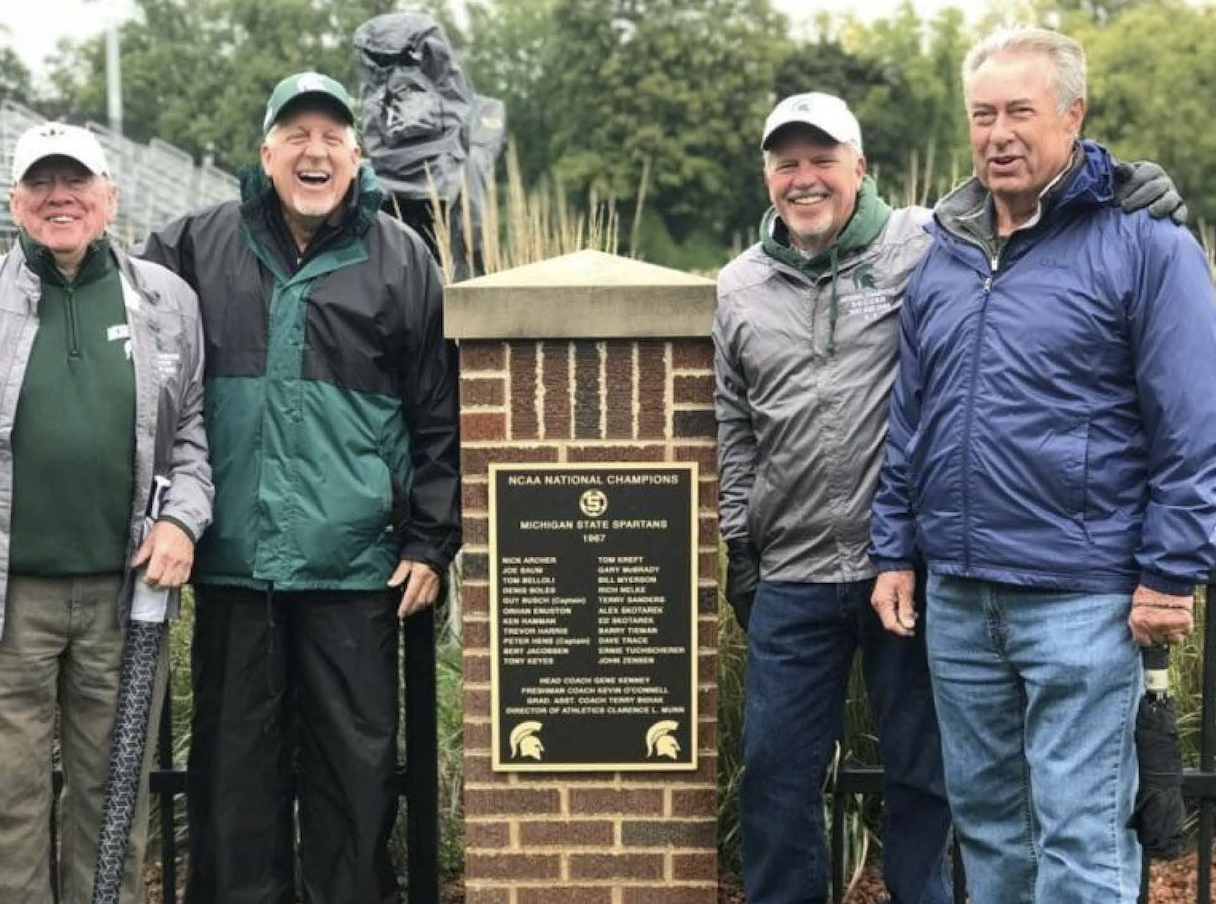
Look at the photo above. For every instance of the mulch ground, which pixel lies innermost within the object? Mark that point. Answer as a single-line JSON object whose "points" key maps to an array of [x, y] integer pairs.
{"points": [[1172, 882]]}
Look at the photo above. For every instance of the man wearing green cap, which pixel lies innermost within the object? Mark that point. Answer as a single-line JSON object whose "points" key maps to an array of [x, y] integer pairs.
{"points": [[806, 343], [331, 402]]}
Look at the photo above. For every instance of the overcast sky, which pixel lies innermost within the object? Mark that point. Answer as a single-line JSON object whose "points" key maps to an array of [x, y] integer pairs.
{"points": [[33, 27]]}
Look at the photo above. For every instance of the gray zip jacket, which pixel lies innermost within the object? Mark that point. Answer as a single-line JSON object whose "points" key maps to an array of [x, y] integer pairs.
{"points": [[801, 427], [167, 351]]}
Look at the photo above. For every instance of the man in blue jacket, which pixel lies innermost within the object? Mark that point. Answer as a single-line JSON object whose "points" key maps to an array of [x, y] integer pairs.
{"points": [[1052, 454]]}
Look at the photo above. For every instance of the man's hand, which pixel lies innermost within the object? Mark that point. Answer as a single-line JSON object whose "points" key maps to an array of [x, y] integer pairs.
{"points": [[1158, 618], [742, 578], [421, 586], [894, 599], [1145, 184], [169, 553]]}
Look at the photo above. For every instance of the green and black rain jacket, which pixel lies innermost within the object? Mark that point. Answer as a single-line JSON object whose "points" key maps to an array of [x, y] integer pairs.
{"points": [[331, 399]]}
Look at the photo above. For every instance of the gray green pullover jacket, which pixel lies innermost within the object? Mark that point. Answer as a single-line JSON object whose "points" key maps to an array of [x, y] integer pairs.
{"points": [[330, 394], [166, 350], [805, 353]]}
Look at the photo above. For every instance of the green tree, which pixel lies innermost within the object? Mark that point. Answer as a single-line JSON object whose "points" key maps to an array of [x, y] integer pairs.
{"points": [[920, 116], [196, 73], [1152, 77], [900, 76], [600, 91], [509, 54], [683, 84], [15, 81]]}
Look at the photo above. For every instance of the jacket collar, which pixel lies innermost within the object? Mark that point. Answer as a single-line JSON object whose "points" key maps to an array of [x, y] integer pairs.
{"points": [[28, 284], [967, 212], [41, 260]]}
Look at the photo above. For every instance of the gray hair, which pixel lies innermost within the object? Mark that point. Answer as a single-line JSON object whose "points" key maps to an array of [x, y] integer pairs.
{"points": [[1066, 55]]}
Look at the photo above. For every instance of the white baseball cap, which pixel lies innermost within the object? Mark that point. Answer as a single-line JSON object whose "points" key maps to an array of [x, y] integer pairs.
{"points": [[57, 139], [825, 112]]}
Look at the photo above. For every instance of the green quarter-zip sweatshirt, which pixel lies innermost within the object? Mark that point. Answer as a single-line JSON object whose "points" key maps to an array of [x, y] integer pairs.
{"points": [[74, 432]]}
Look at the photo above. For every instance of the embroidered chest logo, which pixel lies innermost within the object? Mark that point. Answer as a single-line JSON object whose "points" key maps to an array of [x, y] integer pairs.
{"points": [[863, 276]]}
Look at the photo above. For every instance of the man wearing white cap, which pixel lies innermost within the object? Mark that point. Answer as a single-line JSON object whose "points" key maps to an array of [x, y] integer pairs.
{"points": [[806, 343], [103, 397]]}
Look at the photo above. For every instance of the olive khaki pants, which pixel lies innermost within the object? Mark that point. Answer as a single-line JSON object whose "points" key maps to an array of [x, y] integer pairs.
{"points": [[62, 644]]}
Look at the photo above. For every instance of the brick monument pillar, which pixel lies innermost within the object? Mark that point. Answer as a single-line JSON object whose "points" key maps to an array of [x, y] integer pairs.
{"points": [[599, 359]]}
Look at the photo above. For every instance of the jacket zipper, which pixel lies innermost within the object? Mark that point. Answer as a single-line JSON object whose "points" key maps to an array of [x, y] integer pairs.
{"points": [[73, 332], [995, 263]]}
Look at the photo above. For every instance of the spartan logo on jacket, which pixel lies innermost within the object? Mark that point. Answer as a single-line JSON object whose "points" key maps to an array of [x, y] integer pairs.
{"points": [[866, 300]]}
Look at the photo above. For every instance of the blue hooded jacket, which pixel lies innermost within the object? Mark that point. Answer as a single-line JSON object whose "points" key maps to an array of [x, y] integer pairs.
{"points": [[1054, 420]]}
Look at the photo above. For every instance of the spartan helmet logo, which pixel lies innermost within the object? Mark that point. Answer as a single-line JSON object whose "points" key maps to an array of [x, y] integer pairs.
{"points": [[525, 743], [661, 742]]}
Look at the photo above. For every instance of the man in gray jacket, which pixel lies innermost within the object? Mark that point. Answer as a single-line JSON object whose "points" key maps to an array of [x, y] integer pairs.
{"points": [[805, 347], [102, 398], [806, 343]]}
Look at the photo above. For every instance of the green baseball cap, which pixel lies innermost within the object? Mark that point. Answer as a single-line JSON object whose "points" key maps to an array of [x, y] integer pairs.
{"points": [[307, 84]]}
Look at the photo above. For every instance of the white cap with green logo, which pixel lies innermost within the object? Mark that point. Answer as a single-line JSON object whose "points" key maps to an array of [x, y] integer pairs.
{"points": [[307, 84], [825, 112]]}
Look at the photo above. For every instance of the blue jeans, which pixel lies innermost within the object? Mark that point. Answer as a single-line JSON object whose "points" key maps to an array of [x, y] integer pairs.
{"points": [[1037, 694], [801, 641]]}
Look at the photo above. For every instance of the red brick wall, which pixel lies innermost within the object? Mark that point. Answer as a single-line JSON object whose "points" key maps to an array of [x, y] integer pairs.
{"points": [[601, 838]]}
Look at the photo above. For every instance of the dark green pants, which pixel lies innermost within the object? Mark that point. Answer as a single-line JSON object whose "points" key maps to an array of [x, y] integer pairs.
{"points": [[295, 702]]}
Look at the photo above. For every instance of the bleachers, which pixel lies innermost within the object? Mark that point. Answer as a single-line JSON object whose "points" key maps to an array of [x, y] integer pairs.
{"points": [[157, 182]]}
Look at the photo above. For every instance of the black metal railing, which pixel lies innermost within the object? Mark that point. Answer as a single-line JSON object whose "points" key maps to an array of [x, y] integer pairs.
{"points": [[1197, 785]]}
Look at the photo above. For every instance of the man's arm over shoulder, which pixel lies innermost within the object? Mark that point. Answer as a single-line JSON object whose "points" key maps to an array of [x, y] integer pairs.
{"points": [[1172, 332], [431, 410], [188, 501], [892, 520]]}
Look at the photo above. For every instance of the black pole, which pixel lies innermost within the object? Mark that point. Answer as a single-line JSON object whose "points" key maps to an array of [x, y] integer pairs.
{"points": [[168, 824], [1207, 743], [421, 759]]}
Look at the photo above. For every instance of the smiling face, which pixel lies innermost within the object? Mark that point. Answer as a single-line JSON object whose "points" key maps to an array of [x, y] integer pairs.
{"points": [[813, 182], [1020, 139], [62, 205], [311, 157]]}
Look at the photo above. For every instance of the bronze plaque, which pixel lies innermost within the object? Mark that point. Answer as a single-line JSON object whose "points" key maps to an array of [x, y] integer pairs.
{"points": [[593, 620]]}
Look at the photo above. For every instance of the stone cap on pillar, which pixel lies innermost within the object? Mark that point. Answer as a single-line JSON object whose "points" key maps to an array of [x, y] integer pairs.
{"points": [[584, 295]]}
